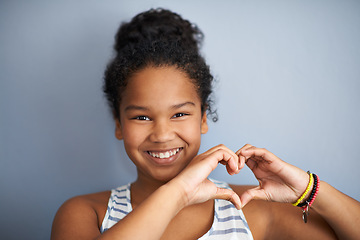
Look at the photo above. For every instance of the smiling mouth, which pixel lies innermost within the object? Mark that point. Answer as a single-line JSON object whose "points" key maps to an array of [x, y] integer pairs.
{"points": [[164, 154]]}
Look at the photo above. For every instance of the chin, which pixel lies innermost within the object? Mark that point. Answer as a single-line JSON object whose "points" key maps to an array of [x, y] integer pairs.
{"points": [[164, 177]]}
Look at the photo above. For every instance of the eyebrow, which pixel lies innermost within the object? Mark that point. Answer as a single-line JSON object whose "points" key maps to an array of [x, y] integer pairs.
{"points": [[135, 107], [177, 106], [143, 108]]}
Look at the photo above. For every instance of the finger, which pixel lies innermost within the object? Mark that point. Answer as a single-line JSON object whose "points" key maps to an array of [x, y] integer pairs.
{"points": [[230, 160], [232, 167], [257, 152], [230, 195], [232, 164], [251, 164], [212, 160], [221, 146], [264, 159], [253, 193], [204, 164], [242, 161], [246, 146], [242, 158]]}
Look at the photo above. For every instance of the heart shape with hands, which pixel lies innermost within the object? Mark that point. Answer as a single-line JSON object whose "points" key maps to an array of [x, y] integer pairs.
{"points": [[278, 180]]}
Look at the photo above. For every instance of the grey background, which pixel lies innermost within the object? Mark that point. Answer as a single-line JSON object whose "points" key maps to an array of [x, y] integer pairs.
{"points": [[288, 80]]}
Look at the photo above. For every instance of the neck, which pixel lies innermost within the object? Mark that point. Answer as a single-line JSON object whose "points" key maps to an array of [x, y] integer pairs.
{"points": [[143, 187]]}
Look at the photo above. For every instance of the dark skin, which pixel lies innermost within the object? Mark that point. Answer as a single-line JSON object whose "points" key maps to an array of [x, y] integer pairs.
{"points": [[172, 197], [259, 214]]}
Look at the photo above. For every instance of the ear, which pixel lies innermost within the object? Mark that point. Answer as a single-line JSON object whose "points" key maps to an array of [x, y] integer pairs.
{"points": [[204, 125], [118, 131]]}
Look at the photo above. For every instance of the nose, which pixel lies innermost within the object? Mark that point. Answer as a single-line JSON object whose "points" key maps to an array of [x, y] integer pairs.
{"points": [[162, 132]]}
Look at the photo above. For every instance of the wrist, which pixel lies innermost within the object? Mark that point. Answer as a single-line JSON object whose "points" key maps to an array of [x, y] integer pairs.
{"points": [[310, 196], [306, 194], [177, 193]]}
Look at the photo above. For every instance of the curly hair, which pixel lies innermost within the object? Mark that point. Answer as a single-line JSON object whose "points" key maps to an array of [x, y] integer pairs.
{"points": [[157, 38]]}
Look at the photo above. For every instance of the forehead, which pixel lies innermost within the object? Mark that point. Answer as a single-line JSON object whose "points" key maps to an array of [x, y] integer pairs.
{"points": [[160, 87]]}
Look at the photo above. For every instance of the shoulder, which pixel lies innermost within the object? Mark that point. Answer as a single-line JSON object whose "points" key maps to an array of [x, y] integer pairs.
{"points": [[85, 211], [91, 202]]}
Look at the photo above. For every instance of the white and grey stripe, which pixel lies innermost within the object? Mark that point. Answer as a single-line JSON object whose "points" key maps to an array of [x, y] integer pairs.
{"points": [[228, 224]]}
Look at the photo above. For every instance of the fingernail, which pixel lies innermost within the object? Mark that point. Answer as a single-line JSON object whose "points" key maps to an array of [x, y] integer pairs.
{"points": [[233, 164]]}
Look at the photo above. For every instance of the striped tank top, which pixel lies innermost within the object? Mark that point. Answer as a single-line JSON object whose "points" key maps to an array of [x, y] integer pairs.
{"points": [[228, 223]]}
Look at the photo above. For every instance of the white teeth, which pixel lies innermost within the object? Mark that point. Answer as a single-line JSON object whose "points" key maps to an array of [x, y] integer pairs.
{"points": [[165, 154]]}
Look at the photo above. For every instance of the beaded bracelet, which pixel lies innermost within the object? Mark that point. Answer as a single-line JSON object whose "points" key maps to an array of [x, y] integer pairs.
{"points": [[306, 191], [312, 193], [305, 206], [315, 190]]}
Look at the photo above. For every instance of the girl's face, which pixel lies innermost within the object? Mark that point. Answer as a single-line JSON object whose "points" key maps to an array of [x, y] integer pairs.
{"points": [[160, 122]]}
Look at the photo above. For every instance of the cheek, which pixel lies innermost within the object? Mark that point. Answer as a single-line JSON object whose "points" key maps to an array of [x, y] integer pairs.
{"points": [[192, 133], [132, 136]]}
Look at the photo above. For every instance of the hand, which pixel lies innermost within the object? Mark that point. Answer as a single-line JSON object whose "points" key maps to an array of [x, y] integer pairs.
{"points": [[193, 179], [278, 180]]}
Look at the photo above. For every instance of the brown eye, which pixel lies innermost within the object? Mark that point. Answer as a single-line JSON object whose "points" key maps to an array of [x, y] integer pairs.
{"points": [[180, 115], [142, 118]]}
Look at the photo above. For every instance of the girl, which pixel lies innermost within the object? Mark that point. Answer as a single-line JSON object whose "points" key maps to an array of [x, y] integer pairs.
{"points": [[159, 87]]}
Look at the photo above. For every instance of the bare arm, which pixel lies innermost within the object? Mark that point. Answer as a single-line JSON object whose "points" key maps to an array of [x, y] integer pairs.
{"points": [[282, 182], [150, 219], [340, 211], [273, 220], [76, 219]]}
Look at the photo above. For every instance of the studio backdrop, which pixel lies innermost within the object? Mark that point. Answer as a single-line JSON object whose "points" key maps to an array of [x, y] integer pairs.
{"points": [[287, 79]]}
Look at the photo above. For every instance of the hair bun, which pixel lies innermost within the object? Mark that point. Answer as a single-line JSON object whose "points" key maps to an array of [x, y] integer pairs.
{"points": [[157, 38], [158, 25]]}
